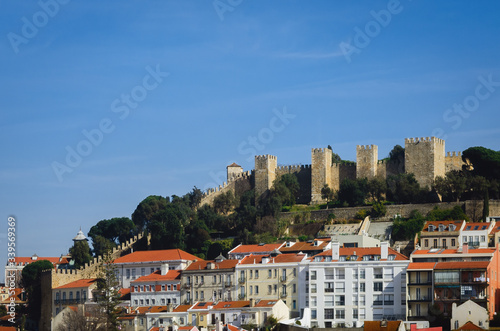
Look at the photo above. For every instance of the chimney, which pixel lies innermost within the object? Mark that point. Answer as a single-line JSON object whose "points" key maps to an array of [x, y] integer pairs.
{"points": [[335, 250], [252, 302], [164, 269], [210, 266], [465, 248], [384, 250]]}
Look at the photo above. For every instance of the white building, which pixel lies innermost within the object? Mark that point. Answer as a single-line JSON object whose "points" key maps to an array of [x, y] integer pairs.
{"points": [[476, 234], [469, 311], [75, 293], [141, 263], [350, 285], [159, 288]]}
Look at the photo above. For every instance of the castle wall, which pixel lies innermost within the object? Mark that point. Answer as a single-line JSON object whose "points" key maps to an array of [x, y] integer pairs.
{"points": [[366, 161], [424, 157], [453, 161], [387, 168], [339, 172], [265, 174], [303, 173], [238, 185], [233, 171], [321, 174]]}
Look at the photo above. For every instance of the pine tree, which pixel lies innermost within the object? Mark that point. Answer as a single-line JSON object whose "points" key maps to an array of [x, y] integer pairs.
{"points": [[107, 295]]}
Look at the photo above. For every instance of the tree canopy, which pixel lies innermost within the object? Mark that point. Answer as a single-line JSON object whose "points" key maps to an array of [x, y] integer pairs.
{"points": [[31, 281]]}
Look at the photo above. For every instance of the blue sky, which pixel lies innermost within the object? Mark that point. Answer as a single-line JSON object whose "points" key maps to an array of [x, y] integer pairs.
{"points": [[171, 92]]}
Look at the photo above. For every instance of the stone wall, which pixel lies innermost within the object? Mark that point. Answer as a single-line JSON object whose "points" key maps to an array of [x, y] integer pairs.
{"points": [[424, 157], [238, 185], [453, 161], [321, 163], [265, 174], [303, 173], [366, 161], [387, 168]]}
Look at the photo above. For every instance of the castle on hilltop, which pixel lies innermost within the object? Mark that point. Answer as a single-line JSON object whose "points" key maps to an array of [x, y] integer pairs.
{"points": [[424, 157]]}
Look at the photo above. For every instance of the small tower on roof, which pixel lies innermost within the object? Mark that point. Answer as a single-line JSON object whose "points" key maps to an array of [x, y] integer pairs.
{"points": [[233, 171], [80, 236]]}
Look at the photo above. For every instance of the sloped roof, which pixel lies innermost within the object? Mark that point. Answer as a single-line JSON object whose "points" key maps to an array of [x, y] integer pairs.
{"points": [[362, 251], [446, 224], [469, 326], [232, 304], [54, 260], [282, 258], [247, 249], [304, 246], [181, 308], [157, 276], [202, 265], [421, 265], [233, 165], [454, 251], [156, 256], [462, 265], [377, 326], [79, 283]]}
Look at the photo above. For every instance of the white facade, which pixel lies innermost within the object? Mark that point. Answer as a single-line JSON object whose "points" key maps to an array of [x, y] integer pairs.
{"points": [[350, 285], [156, 289], [469, 311], [476, 234]]}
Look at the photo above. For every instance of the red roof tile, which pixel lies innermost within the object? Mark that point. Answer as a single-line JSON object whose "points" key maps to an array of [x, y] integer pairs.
{"points": [[306, 246], [462, 265], [202, 265], [241, 249], [157, 276], [280, 258], [377, 326], [156, 256], [469, 326], [453, 251], [362, 251], [231, 304], [79, 283], [471, 226], [181, 308], [266, 303], [233, 165], [421, 265], [54, 260], [436, 224]]}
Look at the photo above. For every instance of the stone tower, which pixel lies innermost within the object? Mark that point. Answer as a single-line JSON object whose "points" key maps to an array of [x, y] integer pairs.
{"points": [[366, 161], [265, 174], [321, 172], [233, 170], [425, 157]]}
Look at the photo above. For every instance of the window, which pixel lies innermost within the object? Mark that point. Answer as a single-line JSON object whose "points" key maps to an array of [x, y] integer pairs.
{"points": [[483, 239], [329, 287], [269, 289], [435, 243], [362, 300], [354, 300], [256, 289], [328, 314], [314, 301], [464, 239], [143, 271], [127, 272], [426, 243], [269, 273], [339, 287], [329, 300], [163, 287], [377, 286], [256, 274], [444, 243], [339, 300], [294, 304], [313, 275], [340, 313], [339, 273], [377, 300], [388, 299], [362, 274], [313, 288], [136, 288], [314, 314], [294, 272], [151, 270], [453, 242], [362, 287], [355, 274], [294, 288], [362, 314]]}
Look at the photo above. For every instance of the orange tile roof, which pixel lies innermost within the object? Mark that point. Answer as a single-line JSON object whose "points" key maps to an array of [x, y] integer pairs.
{"points": [[156, 256], [255, 248], [421, 265], [185, 327], [480, 225], [158, 309], [458, 224], [232, 304], [304, 246], [181, 308], [79, 283], [17, 296], [280, 258], [462, 265], [157, 276], [454, 251], [7, 328], [202, 305], [265, 303], [202, 265], [54, 260], [362, 251], [233, 165], [469, 326]]}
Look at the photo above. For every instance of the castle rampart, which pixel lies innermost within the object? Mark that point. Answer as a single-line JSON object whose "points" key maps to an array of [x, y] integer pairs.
{"points": [[366, 161], [425, 158], [453, 161], [321, 174]]}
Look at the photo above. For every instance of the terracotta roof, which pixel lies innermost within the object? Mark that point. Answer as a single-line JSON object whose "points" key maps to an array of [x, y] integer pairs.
{"points": [[362, 251], [281, 258], [265, 303], [79, 283], [7, 328], [304, 246], [185, 327], [421, 265], [157, 276], [462, 265], [202, 265], [181, 308], [436, 224], [156, 256], [202, 305], [453, 251], [232, 304], [158, 309], [17, 296], [377, 326], [54, 260], [469, 326], [255, 248], [476, 226], [233, 165]]}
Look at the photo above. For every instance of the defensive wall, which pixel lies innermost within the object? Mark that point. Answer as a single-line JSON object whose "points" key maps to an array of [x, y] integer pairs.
{"points": [[424, 157]]}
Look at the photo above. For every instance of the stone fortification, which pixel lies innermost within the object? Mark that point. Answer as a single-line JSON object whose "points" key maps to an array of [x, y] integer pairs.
{"points": [[366, 161], [424, 157]]}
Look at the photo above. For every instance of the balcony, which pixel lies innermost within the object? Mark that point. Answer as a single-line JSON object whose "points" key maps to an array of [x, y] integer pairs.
{"points": [[283, 295], [377, 303], [241, 280], [421, 298], [228, 284], [283, 279], [241, 296], [418, 282], [187, 285]]}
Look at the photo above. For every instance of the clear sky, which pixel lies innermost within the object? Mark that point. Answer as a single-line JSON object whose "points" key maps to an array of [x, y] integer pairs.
{"points": [[105, 103]]}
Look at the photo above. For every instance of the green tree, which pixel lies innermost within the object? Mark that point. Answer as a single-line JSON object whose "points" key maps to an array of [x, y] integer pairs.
{"points": [[335, 157], [485, 162], [31, 281], [107, 292], [195, 197], [397, 154], [80, 253], [404, 188], [454, 214], [377, 188], [146, 209], [378, 210], [452, 186], [117, 229], [101, 245], [327, 194], [224, 203], [353, 191], [406, 229]]}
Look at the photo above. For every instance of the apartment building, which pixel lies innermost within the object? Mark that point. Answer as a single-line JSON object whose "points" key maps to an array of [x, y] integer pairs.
{"points": [[477, 234], [442, 234], [141, 263], [74, 293], [241, 250], [209, 280], [347, 286], [162, 287], [273, 277]]}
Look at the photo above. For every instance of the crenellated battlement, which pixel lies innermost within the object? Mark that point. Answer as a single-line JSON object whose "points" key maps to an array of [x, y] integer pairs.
{"points": [[453, 154], [319, 150], [423, 140], [292, 168], [265, 157], [342, 165], [365, 147]]}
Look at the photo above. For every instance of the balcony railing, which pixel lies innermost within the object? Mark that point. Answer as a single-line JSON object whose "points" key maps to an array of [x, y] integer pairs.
{"points": [[377, 303], [241, 280], [187, 285], [420, 298], [283, 278], [228, 284], [283, 295], [241, 296]]}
